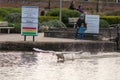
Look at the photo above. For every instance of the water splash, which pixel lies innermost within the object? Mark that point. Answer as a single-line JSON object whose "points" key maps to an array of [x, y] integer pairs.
{"points": [[87, 67]]}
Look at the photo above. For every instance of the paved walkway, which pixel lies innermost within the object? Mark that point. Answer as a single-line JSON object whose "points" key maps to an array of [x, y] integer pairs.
{"points": [[39, 38]]}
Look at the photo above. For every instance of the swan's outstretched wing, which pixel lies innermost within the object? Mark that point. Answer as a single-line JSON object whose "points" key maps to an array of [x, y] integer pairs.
{"points": [[43, 51], [38, 50]]}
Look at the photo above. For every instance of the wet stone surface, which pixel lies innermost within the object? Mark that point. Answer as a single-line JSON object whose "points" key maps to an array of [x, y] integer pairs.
{"points": [[43, 66]]}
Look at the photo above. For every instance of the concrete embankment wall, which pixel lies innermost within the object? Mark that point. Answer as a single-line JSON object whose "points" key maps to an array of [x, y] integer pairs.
{"points": [[58, 46], [68, 33]]}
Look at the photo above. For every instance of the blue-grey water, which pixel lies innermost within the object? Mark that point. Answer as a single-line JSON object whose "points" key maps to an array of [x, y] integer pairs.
{"points": [[43, 66]]}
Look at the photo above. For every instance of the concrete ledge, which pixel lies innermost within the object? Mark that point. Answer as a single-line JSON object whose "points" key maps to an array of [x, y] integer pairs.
{"points": [[65, 34], [58, 46]]}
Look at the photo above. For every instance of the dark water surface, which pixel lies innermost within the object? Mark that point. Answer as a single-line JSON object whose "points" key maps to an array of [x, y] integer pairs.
{"points": [[43, 66]]}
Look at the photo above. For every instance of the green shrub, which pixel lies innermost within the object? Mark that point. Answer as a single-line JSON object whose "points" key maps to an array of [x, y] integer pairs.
{"points": [[113, 13], [13, 18], [111, 19], [3, 12], [17, 27], [1, 19], [46, 18], [66, 13], [43, 28], [54, 24], [6, 11], [104, 23]]}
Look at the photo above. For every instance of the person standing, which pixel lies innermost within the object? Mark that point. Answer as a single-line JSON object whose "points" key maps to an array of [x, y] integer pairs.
{"points": [[72, 5], [80, 21], [82, 29], [43, 12]]}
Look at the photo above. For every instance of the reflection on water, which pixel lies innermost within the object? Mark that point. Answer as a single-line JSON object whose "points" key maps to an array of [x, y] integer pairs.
{"points": [[43, 66], [27, 57]]}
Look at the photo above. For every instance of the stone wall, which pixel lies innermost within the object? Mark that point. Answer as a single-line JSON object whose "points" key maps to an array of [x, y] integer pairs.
{"points": [[68, 33], [92, 47]]}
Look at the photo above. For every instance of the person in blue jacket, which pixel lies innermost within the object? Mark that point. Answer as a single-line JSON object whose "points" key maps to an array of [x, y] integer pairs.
{"points": [[82, 29], [80, 21]]}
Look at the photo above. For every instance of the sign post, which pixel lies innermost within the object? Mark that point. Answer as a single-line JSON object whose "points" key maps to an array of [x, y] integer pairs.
{"points": [[29, 25], [60, 12]]}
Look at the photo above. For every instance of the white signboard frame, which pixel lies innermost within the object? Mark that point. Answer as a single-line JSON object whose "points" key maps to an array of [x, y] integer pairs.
{"points": [[92, 22], [29, 25]]}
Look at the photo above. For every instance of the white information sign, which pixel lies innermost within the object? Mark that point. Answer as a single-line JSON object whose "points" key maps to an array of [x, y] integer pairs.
{"points": [[29, 20], [29, 25], [92, 23], [30, 11]]}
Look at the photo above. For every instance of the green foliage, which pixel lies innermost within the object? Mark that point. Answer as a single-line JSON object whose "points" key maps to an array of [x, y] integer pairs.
{"points": [[44, 30], [104, 23], [66, 13], [46, 18], [13, 18], [54, 24], [113, 13], [111, 19], [11, 24], [1, 18], [17, 27], [6, 11]]}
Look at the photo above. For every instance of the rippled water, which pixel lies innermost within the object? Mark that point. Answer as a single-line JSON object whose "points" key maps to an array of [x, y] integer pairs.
{"points": [[43, 66]]}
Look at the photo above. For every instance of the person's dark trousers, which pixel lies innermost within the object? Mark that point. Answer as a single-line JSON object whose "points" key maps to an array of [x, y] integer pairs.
{"points": [[76, 33], [81, 35]]}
